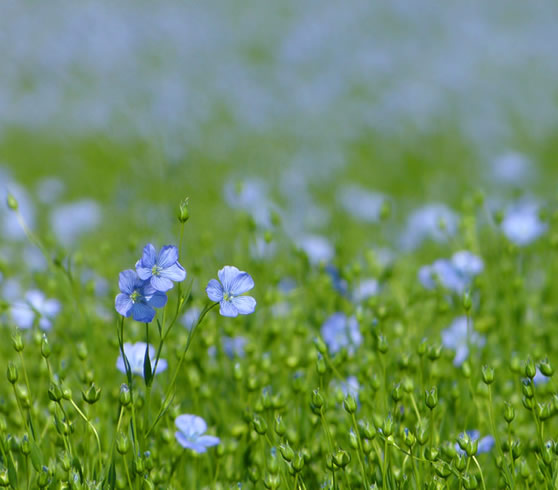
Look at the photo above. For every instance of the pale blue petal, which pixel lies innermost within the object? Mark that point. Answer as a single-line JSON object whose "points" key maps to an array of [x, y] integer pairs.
{"points": [[120, 364], [123, 304], [142, 313], [167, 256], [190, 425], [228, 309], [127, 281], [22, 315], [161, 283], [486, 444], [214, 290], [51, 307], [185, 443], [157, 300], [144, 273], [208, 441], [241, 283], [149, 257], [161, 366], [227, 275], [45, 323], [175, 272], [244, 304]]}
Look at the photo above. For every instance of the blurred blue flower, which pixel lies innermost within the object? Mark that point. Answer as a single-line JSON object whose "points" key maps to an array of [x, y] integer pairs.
{"points": [[137, 298], [365, 289], [191, 316], [35, 306], [455, 274], [317, 248], [228, 293], [341, 332], [522, 224], [350, 386], [455, 337], [160, 269], [190, 433], [485, 444], [135, 353], [234, 346], [434, 221]]}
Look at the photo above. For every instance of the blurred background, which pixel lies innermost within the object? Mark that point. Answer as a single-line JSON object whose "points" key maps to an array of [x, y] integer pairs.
{"points": [[121, 109]]}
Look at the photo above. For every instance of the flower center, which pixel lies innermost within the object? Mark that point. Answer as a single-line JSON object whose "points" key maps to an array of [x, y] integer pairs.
{"points": [[135, 296], [228, 296], [155, 270]]}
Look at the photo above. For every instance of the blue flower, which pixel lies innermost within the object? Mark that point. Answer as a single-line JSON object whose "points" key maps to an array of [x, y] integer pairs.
{"points": [[455, 274], [36, 306], [135, 353], [227, 293], [190, 433], [160, 269], [137, 298], [341, 332], [522, 224], [455, 337]]}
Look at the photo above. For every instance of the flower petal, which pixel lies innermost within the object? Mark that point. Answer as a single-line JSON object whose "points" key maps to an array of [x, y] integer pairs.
{"points": [[22, 315], [127, 281], [214, 290], [149, 256], [175, 272], [167, 256], [227, 275], [144, 273], [142, 313], [161, 365], [241, 283], [161, 283], [208, 441], [190, 425], [157, 300], [120, 364], [228, 309], [244, 304], [123, 304]]}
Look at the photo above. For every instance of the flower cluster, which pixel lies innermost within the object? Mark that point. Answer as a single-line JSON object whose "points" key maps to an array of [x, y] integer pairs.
{"points": [[143, 289]]}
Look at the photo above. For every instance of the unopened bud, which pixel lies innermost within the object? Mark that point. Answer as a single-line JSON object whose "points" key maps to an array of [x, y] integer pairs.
{"points": [[125, 396], [12, 373], [487, 375], [431, 398], [341, 458], [350, 404], [17, 342], [183, 212], [45, 347], [260, 425], [92, 394]]}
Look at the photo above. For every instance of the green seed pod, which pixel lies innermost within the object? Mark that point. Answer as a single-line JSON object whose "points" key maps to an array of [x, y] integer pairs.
{"points": [[12, 373], [122, 443], [280, 427], [466, 369], [460, 462], [353, 440], [487, 375], [530, 369], [321, 366], [271, 482], [397, 393], [55, 392], [183, 214], [434, 352], [298, 461], [367, 446], [367, 430], [509, 413], [317, 399], [470, 481], [467, 301], [92, 394], [382, 344], [125, 397], [260, 425], [387, 426], [409, 438], [350, 404], [341, 458], [431, 398], [139, 466], [25, 445], [45, 347], [442, 469], [81, 351], [545, 368], [527, 403], [287, 452], [23, 396], [238, 372], [44, 478], [17, 342]]}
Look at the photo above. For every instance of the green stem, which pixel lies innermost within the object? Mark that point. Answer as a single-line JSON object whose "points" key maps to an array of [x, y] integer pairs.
{"points": [[164, 406], [360, 451]]}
